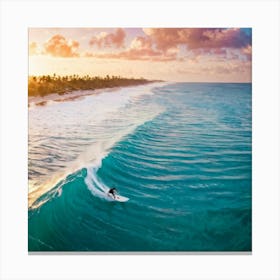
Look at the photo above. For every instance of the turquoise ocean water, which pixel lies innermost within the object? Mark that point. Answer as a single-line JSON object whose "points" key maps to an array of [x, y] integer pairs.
{"points": [[181, 152]]}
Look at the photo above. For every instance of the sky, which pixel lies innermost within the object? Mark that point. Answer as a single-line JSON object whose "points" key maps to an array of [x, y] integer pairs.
{"points": [[170, 54]]}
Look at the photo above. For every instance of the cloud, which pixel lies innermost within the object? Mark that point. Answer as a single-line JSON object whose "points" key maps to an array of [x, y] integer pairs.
{"points": [[215, 71], [247, 51], [105, 39], [219, 51], [198, 38], [140, 48], [33, 48], [194, 45], [231, 67], [141, 43], [59, 46]]}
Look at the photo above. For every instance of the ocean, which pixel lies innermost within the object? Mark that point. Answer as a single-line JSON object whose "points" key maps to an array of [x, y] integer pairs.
{"points": [[181, 153]]}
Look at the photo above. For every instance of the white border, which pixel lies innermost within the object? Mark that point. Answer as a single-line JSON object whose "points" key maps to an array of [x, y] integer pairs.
{"points": [[262, 16]]}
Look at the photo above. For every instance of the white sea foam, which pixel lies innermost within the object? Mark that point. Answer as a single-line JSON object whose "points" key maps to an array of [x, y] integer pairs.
{"points": [[96, 187]]}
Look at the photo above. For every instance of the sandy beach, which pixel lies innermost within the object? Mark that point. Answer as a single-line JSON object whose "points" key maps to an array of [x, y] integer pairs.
{"points": [[74, 95]]}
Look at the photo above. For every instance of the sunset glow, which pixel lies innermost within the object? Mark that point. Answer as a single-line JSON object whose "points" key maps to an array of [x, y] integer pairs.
{"points": [[172, 54]]}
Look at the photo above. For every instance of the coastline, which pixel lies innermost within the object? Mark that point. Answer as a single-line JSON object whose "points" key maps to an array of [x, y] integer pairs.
{"points": [[75, 94]]}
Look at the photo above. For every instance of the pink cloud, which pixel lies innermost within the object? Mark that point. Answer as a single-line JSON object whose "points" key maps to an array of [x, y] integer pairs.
{"points": [[60, 46], [220, 51], [247, 51], [140, 42], [140, 48], [105, 39], [157, 44], [198, 38]]}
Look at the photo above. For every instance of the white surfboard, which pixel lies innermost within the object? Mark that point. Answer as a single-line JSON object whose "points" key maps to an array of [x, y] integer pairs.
{"points": [[119, 198]]}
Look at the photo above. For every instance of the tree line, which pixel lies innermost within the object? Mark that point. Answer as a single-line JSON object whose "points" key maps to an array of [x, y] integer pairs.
{"points": [[46, 84]]}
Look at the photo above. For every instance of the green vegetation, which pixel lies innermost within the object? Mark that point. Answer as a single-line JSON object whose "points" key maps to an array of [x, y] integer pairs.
{"points": [[44, 85]]}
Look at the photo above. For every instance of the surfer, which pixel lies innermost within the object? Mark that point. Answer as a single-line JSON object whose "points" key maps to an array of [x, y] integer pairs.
{"points": [[113, 192]]}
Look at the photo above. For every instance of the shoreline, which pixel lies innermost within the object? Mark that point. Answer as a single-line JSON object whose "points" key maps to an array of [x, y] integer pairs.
{"points": [[75, 94], [68, 96], [42, 89]]}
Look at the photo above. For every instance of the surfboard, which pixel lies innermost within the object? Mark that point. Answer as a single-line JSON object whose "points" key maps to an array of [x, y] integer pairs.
{"points": [[119, 198]]}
